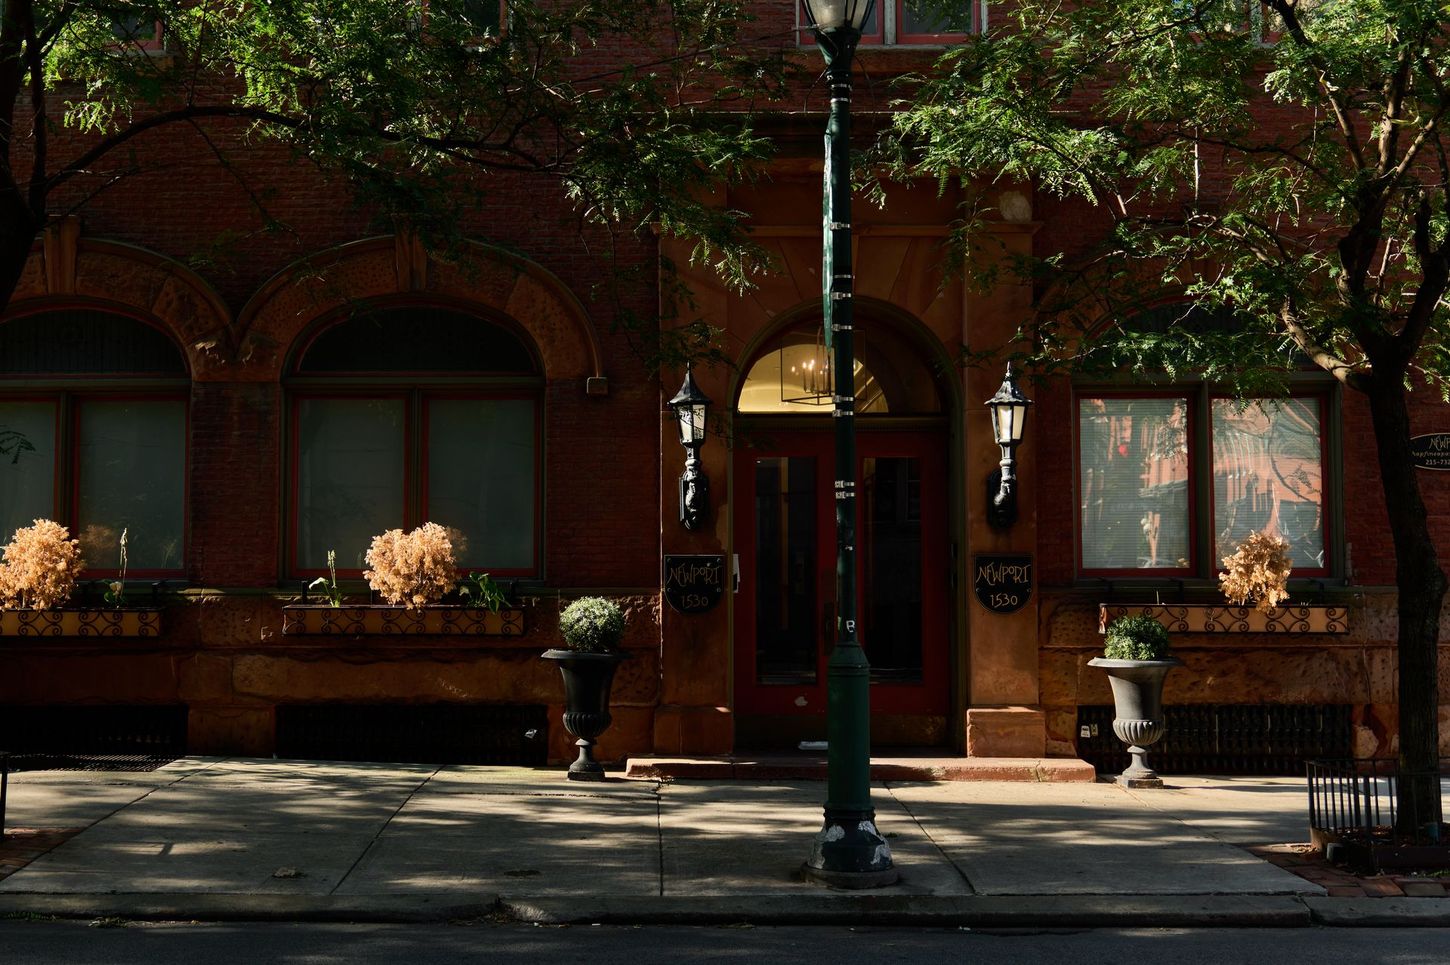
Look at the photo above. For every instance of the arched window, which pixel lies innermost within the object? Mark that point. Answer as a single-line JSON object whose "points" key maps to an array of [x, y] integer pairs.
{"points": [[415, 414], [93, 426], [792, 374]]}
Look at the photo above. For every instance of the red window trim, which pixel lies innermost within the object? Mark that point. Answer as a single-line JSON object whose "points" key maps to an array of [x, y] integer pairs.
{"points": [[415, 469]]}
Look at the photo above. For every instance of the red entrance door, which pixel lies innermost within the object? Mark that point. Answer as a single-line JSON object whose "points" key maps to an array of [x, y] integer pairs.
{"points": [[786, 607]]}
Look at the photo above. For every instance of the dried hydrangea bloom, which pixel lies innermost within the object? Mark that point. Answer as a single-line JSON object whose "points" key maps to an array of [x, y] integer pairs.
{"points": [[412, 569], [40, 566], [1259, 571]]}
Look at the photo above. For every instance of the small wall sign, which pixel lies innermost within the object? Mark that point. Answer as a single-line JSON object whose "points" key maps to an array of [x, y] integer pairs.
{"points": [[1431, 451], [1003, 581], [694, 584]]}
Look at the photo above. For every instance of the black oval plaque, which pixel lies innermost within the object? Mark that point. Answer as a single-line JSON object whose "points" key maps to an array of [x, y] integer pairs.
{"points": [[694, 584], [1431, 451], [1003, 581]]}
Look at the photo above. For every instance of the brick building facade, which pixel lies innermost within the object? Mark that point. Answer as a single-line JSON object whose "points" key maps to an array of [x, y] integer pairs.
{"points": [[272, 424]]}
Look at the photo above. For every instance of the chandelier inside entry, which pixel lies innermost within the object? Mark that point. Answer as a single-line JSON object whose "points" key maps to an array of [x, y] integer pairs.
{"points": [[805, 370]]}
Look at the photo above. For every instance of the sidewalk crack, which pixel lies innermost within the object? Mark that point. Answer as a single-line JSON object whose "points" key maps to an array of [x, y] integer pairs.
{"points": [[971, 888], [381, 828]]}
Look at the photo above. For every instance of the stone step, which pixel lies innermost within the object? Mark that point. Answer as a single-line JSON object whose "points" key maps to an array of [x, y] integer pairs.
{"points": [[806, 767]]}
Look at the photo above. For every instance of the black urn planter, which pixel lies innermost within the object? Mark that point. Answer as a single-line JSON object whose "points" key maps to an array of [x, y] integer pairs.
{"points": [[588, 678], [1138, 711]]}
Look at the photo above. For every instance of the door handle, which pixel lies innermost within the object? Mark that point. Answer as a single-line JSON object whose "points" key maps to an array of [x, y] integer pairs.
{"points": [[828, 626]]}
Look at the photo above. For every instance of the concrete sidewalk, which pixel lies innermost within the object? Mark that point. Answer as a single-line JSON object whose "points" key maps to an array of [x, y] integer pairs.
{"points": [[295, 840]]}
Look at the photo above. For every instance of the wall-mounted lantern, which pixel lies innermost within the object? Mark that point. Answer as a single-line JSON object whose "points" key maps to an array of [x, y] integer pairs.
{"points": [[1009, 414], [691, 408]]}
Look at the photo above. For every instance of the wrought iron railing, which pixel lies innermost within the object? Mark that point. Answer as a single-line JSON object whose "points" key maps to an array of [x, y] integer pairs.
{"points": [[1358, 805]]}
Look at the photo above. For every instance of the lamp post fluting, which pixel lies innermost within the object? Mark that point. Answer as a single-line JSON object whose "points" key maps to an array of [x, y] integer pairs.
{"points": [[848, 852]]}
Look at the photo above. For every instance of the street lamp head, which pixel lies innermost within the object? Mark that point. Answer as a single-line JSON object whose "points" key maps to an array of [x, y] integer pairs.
{"points": [[691, 408], [836, 14], [1009, 411]]}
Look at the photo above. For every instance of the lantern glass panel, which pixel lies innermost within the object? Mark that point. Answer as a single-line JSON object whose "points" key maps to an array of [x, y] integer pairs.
{"points": [[692, 424], [833, 14]]}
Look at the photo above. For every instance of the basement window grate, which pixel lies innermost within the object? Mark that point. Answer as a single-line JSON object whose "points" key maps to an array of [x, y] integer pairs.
{"points": [[92, 738], [514, 734], [1267, 739]]}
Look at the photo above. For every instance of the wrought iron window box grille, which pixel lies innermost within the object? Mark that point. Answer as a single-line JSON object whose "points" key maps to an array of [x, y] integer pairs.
{"points": [[1223, 618], [100, 622], [381, 620]]}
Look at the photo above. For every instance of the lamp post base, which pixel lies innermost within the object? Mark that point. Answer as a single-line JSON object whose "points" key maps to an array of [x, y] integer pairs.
{"points": [[849, 852]]}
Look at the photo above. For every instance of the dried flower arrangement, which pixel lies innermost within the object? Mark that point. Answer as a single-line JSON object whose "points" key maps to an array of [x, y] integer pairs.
{"points": [[1259, 571], [412, 569], [40, 566]]}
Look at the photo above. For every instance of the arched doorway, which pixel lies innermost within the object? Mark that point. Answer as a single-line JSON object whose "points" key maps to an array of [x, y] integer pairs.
{"points": [[784, 534]]}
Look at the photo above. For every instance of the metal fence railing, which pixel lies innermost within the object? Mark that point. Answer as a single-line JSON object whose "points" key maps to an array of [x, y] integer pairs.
{"points": [[1358, 804]]}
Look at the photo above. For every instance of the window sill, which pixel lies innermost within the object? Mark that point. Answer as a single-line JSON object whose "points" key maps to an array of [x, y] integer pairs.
{"points": [[1189, 618], [322, 619], [108, 622]]}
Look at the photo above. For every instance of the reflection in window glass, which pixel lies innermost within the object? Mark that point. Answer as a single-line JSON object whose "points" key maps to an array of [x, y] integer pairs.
{"points": [[27, 464], [349, 477], [1268, 475], [131, 463], [936, 17], [481, 479], [1133, 481]]}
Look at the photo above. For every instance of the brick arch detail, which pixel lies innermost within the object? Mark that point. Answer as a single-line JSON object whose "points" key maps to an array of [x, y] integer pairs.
{"points": [[67, 270], [389, 266]]}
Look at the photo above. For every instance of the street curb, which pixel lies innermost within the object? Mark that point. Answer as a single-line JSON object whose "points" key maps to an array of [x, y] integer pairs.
{"points": [[1373, 912], [236, 907], [973, 911], [1087, 911]]}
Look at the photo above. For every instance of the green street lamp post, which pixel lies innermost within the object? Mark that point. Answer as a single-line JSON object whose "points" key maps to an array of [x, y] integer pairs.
{"points": [[848, 852]]}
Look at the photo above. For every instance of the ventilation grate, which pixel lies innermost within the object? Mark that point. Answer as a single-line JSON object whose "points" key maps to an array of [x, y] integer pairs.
{"points": [[126, 738], [1270, 739], [415, 733]]}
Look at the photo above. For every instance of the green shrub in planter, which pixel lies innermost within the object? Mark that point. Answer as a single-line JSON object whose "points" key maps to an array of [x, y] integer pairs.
{"points": [[1136, 638], [592, 624]]}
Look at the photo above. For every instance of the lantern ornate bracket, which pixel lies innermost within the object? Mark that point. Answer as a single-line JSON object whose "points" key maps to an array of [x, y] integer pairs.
{"points": [[1008, 410], [691, 408]]}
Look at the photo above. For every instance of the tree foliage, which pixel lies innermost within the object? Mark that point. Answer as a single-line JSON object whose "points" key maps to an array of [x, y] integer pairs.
{"points": [[413, 101], [1283, 163], [1298, 150]]}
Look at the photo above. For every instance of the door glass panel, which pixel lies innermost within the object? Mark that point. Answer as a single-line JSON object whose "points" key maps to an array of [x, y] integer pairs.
{"points": [[786, 598], [891, 600]]}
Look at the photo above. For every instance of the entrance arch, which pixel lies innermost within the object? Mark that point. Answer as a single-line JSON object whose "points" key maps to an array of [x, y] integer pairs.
{"points": [[784, 529]]}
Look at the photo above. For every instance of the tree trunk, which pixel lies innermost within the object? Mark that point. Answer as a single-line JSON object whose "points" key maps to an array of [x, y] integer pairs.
{"points": [[18, 230], [1421, 584]]}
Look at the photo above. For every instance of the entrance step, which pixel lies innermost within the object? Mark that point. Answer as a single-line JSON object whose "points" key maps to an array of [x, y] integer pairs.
{"points": [[798, 767]]}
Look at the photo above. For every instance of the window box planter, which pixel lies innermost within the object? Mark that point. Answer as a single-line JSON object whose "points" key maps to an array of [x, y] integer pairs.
{"points": [[1190, 618], [108, 622], [377, 620]]}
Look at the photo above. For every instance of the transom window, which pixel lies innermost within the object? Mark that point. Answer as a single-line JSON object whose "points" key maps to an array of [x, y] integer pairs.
{"points": [[93, 411], [406, 415]]}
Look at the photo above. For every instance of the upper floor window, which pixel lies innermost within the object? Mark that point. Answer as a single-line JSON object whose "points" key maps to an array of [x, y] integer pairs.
{"points": [[401, 416], [95, 405], [902, 22]]}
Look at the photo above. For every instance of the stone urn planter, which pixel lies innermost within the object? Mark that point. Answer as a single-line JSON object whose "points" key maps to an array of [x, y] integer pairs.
{"points": [[1136, 658], [592, 628], [588, 678]]}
